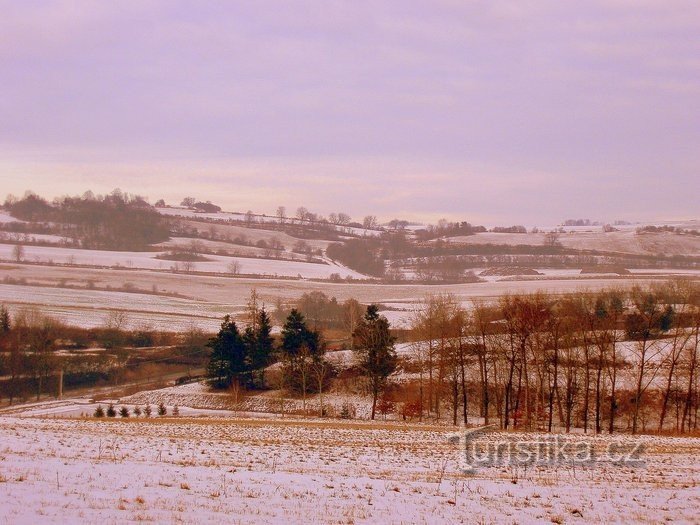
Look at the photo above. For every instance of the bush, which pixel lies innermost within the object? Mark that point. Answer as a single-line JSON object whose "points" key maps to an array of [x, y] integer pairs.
{"points": [[137, 411], [346, 413], [147, 410], [162, 411], [124, 412], [111, 412], [176, 411], [99, 411]]}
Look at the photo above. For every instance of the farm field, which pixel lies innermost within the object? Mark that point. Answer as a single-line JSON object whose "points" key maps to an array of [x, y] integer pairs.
{"points": [[216, 470], [148, 260], [65, 293], [627, 241]]}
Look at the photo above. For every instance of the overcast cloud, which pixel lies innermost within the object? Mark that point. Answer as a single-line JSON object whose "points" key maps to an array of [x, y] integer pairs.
{"points": [[499, 112]]}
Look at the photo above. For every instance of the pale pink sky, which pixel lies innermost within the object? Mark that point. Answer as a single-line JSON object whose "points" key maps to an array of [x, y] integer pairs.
{"points": [[528, 111]]}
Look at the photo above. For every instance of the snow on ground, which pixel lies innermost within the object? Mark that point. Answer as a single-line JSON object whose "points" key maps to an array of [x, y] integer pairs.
{"points": [[230, 248], [34, 237], [6, 218], [227, 216], [91, 308], [253, 234], [620, 241], [222, 470], [147, 260]]}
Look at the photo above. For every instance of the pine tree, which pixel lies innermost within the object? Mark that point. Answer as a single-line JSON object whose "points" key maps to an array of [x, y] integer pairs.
{"points": [[147, 410], [374, 346], [261, 347], [5, 324], [176, 411], [162, 411], [296, 335], [99, 411], [124, 412], [228, 358], [301, 347], [111, 412]]}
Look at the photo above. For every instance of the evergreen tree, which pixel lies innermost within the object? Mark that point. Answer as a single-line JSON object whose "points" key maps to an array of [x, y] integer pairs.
{"points": [[301, 347], [296, 335], [162, 411], [228, 358], [124, 412], [4, 320], [374, 345], [260, 347], [111, 412], [99, 411]]}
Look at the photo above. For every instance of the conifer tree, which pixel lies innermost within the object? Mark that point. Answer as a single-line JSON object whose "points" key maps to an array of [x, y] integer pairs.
{"points": [[228, 358], [5, 324], [374, 346], [261, 347]]}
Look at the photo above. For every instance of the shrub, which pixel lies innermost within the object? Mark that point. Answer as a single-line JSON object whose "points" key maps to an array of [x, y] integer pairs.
{"points": [[124, 412], [111, 412], [99, 411], [162, 411], [176, 411], [345, 413], [137, 411], [147, 410]]}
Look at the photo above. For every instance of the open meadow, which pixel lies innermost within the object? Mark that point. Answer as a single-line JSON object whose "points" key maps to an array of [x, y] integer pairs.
{"points": [[232, 470]]}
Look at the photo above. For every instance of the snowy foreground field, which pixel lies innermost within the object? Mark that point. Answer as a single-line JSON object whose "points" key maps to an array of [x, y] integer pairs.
{"points": [[206, 470]]}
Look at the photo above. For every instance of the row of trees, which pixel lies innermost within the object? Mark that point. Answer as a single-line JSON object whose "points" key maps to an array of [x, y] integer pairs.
{"points": [[592, 360]]}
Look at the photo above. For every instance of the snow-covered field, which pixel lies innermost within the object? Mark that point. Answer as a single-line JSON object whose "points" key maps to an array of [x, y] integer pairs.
{"points": [[627, 241], [227, 216], [148, 260], [213, 296], [92, 308], [229, 470]]}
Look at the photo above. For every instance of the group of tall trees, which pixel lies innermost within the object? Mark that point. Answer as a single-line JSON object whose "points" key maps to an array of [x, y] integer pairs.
{"points": [[600, 361], [323, 312], [117, 221], [238, 359]]}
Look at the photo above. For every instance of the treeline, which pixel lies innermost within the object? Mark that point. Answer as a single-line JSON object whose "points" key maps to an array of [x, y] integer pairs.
{"points": [[117, 221], [667, 229], [323, 312], [447, 229], [604, 361], [452, 229]]}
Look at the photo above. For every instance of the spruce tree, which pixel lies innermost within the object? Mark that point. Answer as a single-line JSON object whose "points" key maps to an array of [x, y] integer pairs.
{"points": [[228, 358], [301, 347], [374, 346], [261, 351], [4, 320]]}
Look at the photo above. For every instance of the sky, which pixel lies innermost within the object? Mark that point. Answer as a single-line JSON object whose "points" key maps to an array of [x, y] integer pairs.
{"points": [[528, 112]]}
